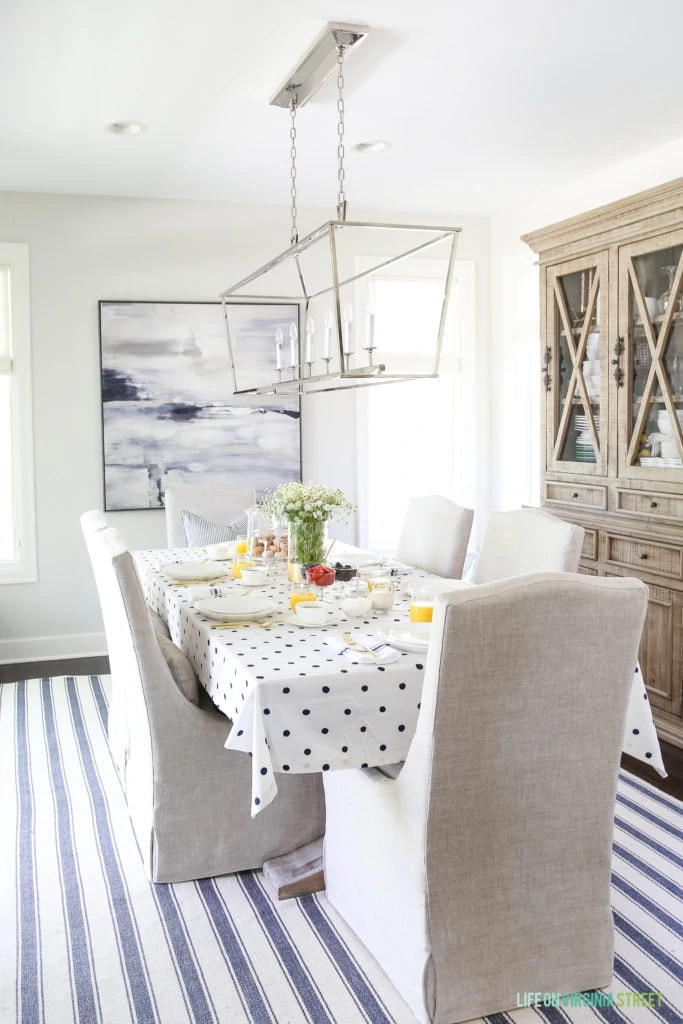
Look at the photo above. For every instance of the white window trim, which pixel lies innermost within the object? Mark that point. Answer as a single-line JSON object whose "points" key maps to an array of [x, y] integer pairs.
{"points": [[23, 568]]}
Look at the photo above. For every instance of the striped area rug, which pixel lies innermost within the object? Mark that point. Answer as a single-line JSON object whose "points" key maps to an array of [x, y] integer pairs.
{"points": [[85, 938]]}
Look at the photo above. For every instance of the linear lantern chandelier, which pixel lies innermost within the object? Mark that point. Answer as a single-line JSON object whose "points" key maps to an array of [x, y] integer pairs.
{"points": [[340, 287]]}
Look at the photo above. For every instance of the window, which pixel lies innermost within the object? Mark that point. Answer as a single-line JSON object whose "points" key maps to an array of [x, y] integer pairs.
{"points": [[419, 437], [17, 512]]}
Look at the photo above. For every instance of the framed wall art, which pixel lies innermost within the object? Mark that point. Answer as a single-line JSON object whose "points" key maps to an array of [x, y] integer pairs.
{"points": [[169, 414]]}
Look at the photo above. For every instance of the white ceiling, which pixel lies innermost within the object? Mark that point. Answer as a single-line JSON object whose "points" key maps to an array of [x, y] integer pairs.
{"points": [[485, 103]]}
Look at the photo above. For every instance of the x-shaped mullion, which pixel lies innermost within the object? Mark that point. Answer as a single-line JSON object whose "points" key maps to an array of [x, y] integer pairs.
{"points": [[657, 347], [576, 355]]}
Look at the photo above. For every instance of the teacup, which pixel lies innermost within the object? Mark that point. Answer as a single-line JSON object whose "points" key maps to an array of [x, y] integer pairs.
{"points": [[255, 575], [220, 552], [311, 613]]}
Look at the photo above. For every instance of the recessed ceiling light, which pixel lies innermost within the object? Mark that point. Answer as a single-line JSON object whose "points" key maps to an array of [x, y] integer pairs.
{"points": [[374, 146], [126, 128]]}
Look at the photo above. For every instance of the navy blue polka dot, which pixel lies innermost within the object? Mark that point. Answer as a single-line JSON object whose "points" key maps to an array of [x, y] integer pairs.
{"points": [[264, 771]]}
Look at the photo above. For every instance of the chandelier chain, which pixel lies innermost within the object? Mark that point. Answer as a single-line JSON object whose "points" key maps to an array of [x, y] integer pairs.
{"points": [[294, 234], [341, 196]]}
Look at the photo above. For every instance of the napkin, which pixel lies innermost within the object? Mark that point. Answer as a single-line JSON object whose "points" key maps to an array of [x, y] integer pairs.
{"points": [[384, 652], [206, 590]]}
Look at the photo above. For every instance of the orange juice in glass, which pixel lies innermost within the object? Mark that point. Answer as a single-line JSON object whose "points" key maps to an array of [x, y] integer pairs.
{"points": [[239, 564], [421, 606], [241, 546], [300, 595]]}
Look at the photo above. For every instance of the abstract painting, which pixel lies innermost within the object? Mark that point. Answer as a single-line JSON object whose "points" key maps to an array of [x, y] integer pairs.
{"points": [[169, 414]]}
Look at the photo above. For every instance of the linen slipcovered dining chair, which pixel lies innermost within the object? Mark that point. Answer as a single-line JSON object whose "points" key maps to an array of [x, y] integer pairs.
{"points": [[218, 502], [434, 536], [527, 540], [483, 869], [188, 797]]}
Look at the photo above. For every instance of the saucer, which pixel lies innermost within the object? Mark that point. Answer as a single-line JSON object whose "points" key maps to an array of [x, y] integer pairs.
{"points": [[294, 620]]}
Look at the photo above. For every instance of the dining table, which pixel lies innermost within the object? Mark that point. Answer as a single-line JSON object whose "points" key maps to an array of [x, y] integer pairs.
{"points": [[304, 699]]}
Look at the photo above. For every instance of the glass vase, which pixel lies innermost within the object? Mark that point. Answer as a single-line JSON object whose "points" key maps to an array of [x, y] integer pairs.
{"points": [[307, 544]]}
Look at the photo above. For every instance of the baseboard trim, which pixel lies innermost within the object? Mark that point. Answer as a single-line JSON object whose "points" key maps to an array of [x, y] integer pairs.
{"points": [[52, 648]]}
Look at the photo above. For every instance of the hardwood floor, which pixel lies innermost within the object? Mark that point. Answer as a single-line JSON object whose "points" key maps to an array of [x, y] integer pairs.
{"points": [[673, 756], [673, 762], [63, 667]]}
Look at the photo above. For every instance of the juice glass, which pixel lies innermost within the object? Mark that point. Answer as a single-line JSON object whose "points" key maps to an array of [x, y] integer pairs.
{"points": [[298, 595], [421, 606], [238, 564], [241, 546]]}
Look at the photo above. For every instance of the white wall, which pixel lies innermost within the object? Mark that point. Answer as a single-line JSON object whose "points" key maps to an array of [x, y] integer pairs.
{"points": [[84, 249], [515, 346]]}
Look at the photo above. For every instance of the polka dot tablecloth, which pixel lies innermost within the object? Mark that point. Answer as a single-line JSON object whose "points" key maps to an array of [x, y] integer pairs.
{"points": [[296, 704]]}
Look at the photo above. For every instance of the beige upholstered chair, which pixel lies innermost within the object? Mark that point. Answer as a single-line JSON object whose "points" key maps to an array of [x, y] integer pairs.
{"points": [[435, 535], [218, 502], [188, 797], [484, 868], [527, 540]]}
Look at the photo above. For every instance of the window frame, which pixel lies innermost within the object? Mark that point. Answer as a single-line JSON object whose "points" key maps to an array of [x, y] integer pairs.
{"points": [[23, 568]]}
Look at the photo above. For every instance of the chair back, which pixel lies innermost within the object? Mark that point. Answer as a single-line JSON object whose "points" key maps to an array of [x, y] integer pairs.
{"points": [[527, 540], [92, 523], [216, 501], [524, 704], [435, 534]]}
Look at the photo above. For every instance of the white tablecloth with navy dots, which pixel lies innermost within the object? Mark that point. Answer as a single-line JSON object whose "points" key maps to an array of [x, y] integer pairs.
{"points": [[296, 704]]}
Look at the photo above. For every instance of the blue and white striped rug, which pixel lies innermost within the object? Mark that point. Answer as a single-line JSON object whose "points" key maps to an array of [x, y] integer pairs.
{"points": [[85, 938]]}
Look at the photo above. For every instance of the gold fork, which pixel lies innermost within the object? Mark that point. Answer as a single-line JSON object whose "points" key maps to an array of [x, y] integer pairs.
{"points": [[350, 642], [193, 583], [263, 623]]}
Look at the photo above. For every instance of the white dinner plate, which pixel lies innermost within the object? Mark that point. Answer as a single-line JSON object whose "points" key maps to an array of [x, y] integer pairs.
{"points": [[431, 585], [182, 571], [294, 620], [226, 609], [409, 636]]}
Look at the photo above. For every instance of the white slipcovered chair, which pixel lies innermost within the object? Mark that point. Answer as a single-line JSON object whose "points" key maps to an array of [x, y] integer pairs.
{"points": [[527, 540], [218, 502], [117, 727], [435, 534], [484, 868], [188, 797]]}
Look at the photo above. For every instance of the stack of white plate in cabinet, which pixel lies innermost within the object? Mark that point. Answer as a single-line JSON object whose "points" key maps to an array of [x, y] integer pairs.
{"points": [[585, 450]]}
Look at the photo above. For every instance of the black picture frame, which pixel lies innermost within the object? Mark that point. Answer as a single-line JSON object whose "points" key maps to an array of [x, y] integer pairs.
{"points": [[169, 414]]}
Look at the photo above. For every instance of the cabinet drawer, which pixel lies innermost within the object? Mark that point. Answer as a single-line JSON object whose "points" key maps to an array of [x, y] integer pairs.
{"points": [[576, 494], [587, 571], [650, 503], [663, 559], [589, 548]]}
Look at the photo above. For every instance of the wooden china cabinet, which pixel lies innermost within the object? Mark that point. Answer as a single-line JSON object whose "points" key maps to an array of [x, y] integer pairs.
{"points": [[612, 409]]}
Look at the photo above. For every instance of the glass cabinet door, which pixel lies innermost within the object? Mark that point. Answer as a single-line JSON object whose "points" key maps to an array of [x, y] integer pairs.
{"points": [[574, 366], [651, 339]]}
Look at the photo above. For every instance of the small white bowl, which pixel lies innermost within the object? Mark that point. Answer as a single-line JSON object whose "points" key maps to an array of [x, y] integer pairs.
{"points": [[311, 613], [255, 575]]}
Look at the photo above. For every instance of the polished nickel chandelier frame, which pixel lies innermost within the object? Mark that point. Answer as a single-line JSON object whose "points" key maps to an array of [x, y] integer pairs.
{"points": [[329, 274]]}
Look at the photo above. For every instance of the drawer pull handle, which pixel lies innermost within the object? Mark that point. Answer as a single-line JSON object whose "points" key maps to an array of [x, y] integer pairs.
{"points": [[575, 494], [643, 556], [653, 504]]}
